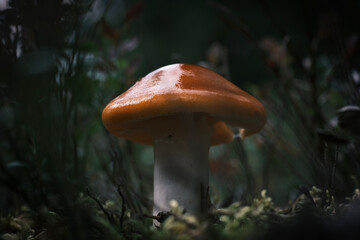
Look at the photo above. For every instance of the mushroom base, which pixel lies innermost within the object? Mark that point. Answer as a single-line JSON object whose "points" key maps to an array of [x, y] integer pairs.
{"points": [[181, 169]]}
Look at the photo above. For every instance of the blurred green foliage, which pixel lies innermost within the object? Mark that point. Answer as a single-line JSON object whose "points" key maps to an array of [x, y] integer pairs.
{"points": [[62, 176]]}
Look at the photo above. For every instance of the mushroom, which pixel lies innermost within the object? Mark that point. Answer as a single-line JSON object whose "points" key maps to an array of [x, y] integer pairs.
{"points": [[182, 110]]}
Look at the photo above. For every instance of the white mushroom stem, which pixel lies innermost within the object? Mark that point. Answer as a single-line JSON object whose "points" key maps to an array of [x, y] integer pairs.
{"points": [[181, 170]]}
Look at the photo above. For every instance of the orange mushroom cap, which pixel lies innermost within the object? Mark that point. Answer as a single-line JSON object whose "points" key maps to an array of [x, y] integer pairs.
{"points": [[182, 88]]}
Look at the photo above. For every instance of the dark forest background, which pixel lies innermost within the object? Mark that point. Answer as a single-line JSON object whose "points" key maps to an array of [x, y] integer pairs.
{"points": [[61, 62]]}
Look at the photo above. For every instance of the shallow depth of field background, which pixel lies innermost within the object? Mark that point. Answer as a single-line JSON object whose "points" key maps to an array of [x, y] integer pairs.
{"points": [[61, 62]]}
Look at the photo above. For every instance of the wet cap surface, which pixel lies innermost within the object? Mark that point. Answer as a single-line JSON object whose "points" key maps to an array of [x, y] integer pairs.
{"points": [[183, 88]]}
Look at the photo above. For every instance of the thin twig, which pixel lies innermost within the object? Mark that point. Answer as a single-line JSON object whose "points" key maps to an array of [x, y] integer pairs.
{"points": [[161, 217], [108, 215], [306, 192], [122, 206]]}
